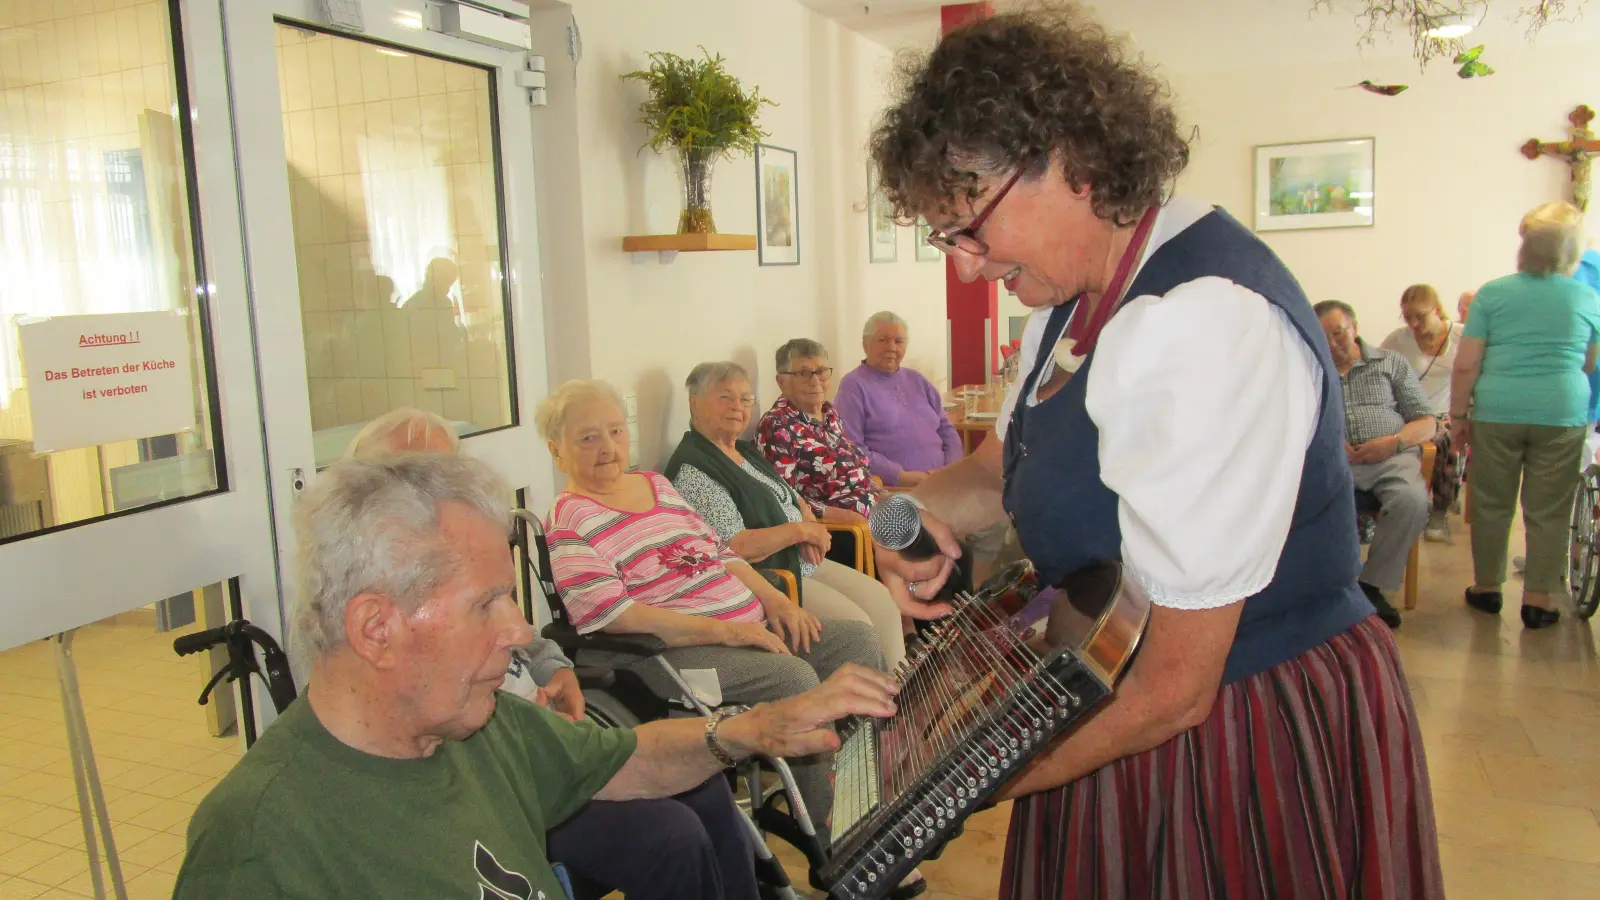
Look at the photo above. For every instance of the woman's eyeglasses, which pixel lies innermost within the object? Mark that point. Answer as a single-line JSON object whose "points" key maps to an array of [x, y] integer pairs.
{"points": [[966, 239], [808, 374]]}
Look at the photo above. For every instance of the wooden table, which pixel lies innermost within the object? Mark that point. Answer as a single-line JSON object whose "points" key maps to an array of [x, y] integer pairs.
{"points": [[973, 430]]}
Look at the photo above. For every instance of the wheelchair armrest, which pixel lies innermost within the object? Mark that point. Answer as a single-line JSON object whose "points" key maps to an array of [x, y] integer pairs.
{"points": [[643, 645], [595, 677], [783, 580]]}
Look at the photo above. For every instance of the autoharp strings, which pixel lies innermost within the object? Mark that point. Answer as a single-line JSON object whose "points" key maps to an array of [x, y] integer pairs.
{"points": [[953, 689]]}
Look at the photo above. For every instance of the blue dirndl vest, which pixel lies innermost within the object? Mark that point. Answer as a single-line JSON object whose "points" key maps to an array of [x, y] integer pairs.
{"points": [[1066, 517]]}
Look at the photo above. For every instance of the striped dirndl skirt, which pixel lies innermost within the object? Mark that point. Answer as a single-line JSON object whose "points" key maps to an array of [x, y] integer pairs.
{"points": [[1308, 780]]}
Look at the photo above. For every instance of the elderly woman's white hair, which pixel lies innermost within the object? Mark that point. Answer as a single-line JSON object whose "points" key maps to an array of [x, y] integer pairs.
{"points": [[707, 375], [413, 424], [372, 526], [552, 415], [1552, 240], [883, 317]]}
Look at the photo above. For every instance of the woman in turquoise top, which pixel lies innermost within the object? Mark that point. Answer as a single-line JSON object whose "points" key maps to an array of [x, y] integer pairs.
{"points": [[1521, 368]]}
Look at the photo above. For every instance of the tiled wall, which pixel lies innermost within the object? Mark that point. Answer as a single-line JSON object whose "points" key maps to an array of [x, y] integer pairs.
{"points": [[392, 178]]}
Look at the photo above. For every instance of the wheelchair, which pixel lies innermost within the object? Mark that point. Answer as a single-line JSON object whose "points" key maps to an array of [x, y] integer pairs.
{"points": [[614, 697], [1583, 557]]}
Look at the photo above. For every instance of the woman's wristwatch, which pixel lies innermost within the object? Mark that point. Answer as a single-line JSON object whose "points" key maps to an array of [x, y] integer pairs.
{"points": [[714, 722], [1399, 444]]}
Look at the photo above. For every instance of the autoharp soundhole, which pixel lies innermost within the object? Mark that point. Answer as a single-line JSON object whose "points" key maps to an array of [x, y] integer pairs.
{"points": [[1082, 602]]}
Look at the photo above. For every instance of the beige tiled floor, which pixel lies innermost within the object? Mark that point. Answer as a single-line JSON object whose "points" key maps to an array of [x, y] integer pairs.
{"points": [[151, 745], [1511, 720]]}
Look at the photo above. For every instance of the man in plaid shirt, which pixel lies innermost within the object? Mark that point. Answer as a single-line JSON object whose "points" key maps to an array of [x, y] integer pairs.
{"points": [[1386, 418]]}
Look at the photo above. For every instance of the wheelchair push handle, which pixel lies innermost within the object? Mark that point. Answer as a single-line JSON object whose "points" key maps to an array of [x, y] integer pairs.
{"points": [[200, 640], [239, 636], [211, 637]]}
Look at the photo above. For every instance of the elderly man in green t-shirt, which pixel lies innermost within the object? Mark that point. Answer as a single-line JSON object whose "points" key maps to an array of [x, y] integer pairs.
{"points": [[403, 771]]}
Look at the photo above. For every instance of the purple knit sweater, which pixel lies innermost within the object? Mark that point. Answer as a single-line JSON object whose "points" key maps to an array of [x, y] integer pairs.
{"points": [[898, 419]]}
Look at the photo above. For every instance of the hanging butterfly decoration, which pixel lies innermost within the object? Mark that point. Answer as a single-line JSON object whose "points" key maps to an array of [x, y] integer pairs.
{"points": [[1471, 67], [1383, 90]]}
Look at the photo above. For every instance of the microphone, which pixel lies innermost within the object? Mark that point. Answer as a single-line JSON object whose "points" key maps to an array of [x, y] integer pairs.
{"points": [[896, 524]]}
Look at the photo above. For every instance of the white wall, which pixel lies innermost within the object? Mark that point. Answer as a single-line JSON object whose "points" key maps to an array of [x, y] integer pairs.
{"points": [[642, 324], [1450, 181]]}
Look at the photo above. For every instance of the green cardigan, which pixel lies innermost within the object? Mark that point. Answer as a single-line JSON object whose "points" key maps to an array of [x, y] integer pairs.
{"points": [[756, 503]]}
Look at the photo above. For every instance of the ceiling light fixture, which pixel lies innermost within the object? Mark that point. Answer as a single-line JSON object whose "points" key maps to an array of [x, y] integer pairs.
{"points": [[1451, 26]]}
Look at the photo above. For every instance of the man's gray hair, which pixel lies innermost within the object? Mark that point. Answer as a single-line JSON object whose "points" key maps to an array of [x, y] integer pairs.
{"points": [[1552, 240], [551, 418], [372, 526], [708, 374], [883, 317], [1328, 306], [799, 348], [378, 435]]}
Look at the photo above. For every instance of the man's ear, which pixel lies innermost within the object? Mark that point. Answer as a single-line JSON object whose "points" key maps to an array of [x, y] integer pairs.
{"points": [[373, 625]]}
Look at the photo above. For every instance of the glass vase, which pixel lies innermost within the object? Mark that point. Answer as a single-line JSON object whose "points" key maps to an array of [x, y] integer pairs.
{"points": [[694, 171]]}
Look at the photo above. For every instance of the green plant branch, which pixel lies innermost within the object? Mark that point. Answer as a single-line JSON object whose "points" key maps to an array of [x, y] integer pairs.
{"points": [[695, 105]]}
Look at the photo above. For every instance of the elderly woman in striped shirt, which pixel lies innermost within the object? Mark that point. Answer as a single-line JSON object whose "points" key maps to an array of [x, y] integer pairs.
{"points": [[629, 556]]}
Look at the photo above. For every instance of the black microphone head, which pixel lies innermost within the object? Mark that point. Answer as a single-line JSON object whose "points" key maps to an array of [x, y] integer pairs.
{"points": [[895, 522]]}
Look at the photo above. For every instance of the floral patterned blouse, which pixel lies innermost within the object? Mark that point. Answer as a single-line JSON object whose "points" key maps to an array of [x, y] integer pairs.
{"points": [[814, 456]]}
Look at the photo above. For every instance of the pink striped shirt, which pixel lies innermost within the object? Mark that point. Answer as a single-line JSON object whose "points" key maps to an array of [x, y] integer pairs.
{"points": [[604, 560]]}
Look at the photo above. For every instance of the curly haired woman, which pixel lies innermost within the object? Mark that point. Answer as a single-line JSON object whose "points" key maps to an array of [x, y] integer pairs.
{"points": [[1263, 743]]}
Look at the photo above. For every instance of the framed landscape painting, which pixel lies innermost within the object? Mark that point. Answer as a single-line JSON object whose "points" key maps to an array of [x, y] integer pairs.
{"points": [[1321, 184], [777, 206]]}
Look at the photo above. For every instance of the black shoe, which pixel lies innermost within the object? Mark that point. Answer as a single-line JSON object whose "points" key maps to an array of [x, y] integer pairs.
{"points": [[908, 890], [1386, 612], [1485, 601], [1538, 616]]}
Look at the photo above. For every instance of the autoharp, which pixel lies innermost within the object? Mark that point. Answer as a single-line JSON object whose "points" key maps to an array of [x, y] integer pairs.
{"points": [[976, 703]]}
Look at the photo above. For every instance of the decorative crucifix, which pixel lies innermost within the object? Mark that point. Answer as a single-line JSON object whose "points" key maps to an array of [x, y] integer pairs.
{"points": [[1577, 151]]}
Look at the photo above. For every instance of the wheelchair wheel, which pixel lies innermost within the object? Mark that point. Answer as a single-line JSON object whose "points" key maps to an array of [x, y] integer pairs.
{"points": [[1583, 572], [607, 711]]}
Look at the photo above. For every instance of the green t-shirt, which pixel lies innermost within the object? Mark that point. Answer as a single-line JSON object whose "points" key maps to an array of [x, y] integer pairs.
{"points": [[1535, 332], [306, 816]]}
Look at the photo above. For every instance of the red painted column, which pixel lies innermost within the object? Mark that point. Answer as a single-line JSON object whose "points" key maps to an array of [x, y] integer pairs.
{"points": [[972, 309]]}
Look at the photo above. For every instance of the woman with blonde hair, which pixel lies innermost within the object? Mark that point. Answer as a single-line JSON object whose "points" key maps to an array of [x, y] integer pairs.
{"points": [[1429, 342], [1520, 369]]}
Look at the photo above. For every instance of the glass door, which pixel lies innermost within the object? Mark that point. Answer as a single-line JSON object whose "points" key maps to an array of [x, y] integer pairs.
{"points": [[131, 464], [387, 177]]}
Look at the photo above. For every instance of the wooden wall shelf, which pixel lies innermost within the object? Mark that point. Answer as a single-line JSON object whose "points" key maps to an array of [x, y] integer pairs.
{"points": [[670, 245]]}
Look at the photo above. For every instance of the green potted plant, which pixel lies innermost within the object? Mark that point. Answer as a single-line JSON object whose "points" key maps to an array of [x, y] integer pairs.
{"points": [[700, 110]]}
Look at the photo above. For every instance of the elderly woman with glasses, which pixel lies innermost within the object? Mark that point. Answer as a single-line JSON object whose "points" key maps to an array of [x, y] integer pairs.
{"points": [[804, 440], [630, 556], [894, 412], [1263, 742], [748, 504]]}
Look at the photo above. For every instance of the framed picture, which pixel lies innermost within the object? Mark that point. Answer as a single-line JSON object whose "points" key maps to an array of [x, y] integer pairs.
{"points": [[1321, 184], [777, 206], [883, 233], [925, 251]]}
